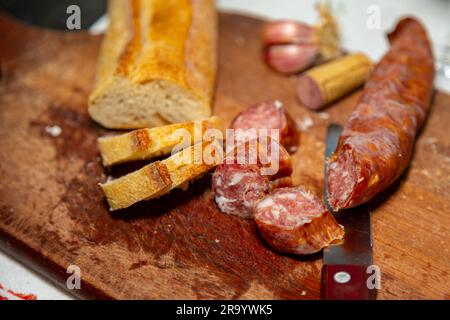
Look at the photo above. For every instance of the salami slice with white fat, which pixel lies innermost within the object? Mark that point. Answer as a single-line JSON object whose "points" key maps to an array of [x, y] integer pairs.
{"points": [[270, 156], [293, 220], [282, 182], [268, 115], [238, 188], [255, 163]]}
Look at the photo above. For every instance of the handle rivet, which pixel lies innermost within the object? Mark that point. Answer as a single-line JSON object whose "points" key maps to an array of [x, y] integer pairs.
{"points": [[342, 277]]}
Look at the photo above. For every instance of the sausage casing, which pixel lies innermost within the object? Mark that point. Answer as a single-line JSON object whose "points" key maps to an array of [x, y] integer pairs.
{"points": [[377, 141]]}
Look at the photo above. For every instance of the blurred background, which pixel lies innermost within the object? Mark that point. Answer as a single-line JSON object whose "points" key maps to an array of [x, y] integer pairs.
{"points": [[356, 34]]}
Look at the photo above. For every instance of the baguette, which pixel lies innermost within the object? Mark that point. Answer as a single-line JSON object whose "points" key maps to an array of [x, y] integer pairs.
{"points": [[158, 178], [157, 64], [148, 182], [149, 143]]}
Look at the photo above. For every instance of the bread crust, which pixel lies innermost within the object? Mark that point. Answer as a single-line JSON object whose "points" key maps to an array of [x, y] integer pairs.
{"points": [[150, 143], [146, 183], [158, 178], [157, 55]]}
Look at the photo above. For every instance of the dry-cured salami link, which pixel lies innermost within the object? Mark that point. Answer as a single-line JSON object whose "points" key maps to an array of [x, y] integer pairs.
{"points": [[238, 188], [293, 220], [268, 115], [377, 141]]}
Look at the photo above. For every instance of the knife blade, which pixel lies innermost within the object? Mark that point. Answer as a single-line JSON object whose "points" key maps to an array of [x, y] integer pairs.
{"points": [[344, 272]]}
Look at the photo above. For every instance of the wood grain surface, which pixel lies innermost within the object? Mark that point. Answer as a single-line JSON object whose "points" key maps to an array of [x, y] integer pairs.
{"points": [[53, 214]]}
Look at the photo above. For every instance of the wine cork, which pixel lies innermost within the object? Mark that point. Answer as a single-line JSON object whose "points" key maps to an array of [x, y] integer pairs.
{"points": [[328, 82]]}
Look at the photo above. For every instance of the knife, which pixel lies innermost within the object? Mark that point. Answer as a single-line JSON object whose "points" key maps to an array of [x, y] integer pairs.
{"points": [[344, 272]]}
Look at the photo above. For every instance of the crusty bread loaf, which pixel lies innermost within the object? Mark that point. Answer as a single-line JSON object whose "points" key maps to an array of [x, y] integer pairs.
{"points": [[149, 143], [160, 177], [157, 63]]}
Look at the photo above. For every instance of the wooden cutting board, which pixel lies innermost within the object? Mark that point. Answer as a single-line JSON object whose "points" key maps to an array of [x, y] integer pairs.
{"points": [[53, 214]]}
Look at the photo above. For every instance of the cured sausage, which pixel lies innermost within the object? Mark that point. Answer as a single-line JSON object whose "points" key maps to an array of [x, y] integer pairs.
{"points": [[270, 156], [281, 182], [238, 188], [330, 81], [376, 144], [248, 173], [293, 220], [257, 163], [268, 115]]}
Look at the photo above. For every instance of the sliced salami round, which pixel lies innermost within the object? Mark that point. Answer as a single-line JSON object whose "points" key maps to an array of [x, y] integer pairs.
{"points": [[238, 188], [270, 156], [268, 115], [293, 220], [281, 183]]}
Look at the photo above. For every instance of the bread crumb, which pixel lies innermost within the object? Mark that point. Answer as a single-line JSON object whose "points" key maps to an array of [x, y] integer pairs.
{"points": [[240, 41], [425, 172], [278, 104], [431, 140], [305, 123], [53, 131], [324, 115]]}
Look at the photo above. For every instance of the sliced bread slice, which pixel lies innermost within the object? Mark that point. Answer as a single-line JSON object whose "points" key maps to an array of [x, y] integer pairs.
{"points": [[149, 143], [160, 177]]}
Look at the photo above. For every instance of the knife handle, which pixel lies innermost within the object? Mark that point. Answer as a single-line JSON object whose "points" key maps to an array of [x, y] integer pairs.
{"points": [[346, 282]]}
